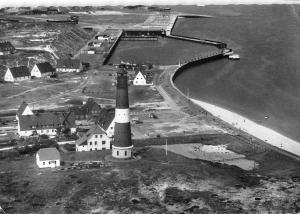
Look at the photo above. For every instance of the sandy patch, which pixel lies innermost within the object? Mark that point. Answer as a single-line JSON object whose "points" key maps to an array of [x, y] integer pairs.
{"points": [[213, 153]]}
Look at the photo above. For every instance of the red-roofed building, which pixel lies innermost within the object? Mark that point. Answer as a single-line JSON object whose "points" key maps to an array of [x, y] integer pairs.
{"points": [[48, 157], [94, 139]]}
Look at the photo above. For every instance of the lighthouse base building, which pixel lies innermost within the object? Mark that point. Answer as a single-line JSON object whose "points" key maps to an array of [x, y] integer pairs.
{"points": [[122, 144]]}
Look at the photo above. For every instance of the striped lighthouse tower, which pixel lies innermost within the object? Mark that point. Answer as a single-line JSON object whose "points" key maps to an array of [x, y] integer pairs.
{"points": [[122, 145]]}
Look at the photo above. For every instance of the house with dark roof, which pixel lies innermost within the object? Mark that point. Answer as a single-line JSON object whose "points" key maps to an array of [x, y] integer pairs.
{"points": [[68, 65], [17, 74], [143, 78], [43, 69], [94, 139], [6, 48], [106, 119], [86, 112], [48, 157], [24, 109], [47, 123]]}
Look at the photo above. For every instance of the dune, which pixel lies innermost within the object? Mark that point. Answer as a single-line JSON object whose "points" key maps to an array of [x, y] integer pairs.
{"points": [[266, 134]]}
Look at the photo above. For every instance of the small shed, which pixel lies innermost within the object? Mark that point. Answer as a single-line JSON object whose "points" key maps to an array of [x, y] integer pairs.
{"points": [[48, 157]]}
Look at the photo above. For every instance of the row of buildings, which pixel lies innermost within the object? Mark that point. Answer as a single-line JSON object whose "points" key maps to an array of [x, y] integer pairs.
{"points": [[43, 69], [97, 124]]}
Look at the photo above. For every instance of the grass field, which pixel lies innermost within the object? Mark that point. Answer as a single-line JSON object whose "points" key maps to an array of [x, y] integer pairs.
{"points": [[147, 185]]}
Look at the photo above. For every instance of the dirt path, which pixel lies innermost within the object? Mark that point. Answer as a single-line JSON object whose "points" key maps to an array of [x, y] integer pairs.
{"points": [[162, 91]]}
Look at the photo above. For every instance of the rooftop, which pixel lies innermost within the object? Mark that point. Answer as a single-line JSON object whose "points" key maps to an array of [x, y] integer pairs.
{"points": [[6, 46], [21, 71], [68, 63], [48, 154], [96, 129], [45, 67], [48, 120]]}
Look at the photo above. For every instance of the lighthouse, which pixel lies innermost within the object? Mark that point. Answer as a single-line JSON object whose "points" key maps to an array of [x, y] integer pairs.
{"points": [[122, 144]]}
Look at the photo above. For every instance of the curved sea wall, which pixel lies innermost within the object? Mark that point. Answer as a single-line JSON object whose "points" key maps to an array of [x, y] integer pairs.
{"points": [[266, 135], [197, 61]]}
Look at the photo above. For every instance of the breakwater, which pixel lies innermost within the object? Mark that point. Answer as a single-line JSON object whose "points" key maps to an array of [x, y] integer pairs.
{"points": [[112, 48], [152, 34], [139, 38], [197, 61], [169, 33]]}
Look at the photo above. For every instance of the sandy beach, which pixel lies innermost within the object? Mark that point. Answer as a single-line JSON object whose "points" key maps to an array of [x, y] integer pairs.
{"points": [[266, 134]]}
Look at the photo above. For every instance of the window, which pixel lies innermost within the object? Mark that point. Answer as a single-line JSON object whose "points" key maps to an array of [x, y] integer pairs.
{"points": [[101, 136], [117, 153], [43, 163], [91, 143], [96, 136], [95, 143], [47, 130], [125, 153], [103, 142]]}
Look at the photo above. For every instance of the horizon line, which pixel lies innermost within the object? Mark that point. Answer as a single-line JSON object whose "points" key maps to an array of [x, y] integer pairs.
{"points": [[70, 3]]}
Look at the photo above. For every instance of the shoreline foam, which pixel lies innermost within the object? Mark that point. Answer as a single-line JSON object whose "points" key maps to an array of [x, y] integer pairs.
{"points": [[263, 133]]}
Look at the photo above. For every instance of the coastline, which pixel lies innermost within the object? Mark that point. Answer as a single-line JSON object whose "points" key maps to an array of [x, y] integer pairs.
{"points": [[261, 132], [238, 122]]}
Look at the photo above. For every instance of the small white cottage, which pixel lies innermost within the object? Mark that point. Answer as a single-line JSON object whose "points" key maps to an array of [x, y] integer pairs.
{"points": [[48, 157], [143, 78]]}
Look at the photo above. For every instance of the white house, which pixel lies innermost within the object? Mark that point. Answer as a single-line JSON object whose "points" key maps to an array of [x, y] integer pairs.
{"points": [[48, 157], [17, 74], [68, 65], [23, 110], [143, 78], [94, 139], [47, 123], [43, 69]]}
